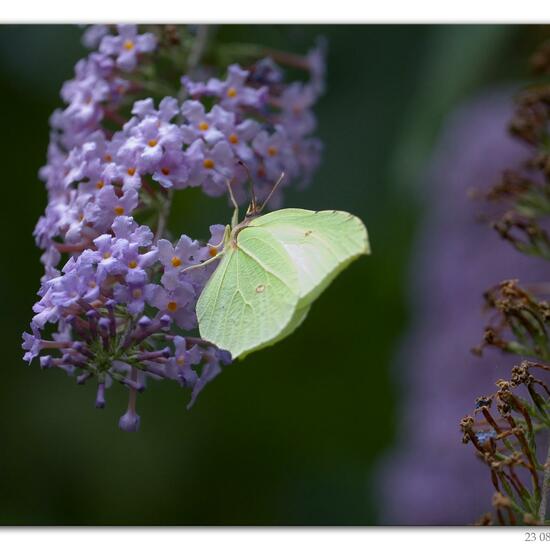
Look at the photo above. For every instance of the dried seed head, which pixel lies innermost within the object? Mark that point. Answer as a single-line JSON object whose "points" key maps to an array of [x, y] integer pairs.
{"points": [[484, 401], [466, 424], [520, 375], [485, 519], [501, 501], [529, 519]]}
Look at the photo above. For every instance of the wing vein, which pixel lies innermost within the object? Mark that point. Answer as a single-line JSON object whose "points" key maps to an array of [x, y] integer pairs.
{"points": [[262, 265]]}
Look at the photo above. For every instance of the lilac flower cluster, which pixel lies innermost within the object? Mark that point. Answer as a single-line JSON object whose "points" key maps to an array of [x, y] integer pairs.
{"points": [[256, 122], [123, 298], [114, 322]]}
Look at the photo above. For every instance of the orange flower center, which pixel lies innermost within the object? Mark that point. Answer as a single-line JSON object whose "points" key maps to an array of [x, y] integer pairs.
{"points": [[131, 171], [233, 138], [272, 151], [213, 251], [136, 293], [119, 210], [152, 142], [172, 307], [128, 45], [176, 262], [181, 360], [108, 158], [231, 92], [208, 164], [203, 126], [133, 264], [100, 184], [106, 255], [165, 171]]}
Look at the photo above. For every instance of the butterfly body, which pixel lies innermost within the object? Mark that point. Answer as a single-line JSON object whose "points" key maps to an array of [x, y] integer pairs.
{"points": [[273, 267]]}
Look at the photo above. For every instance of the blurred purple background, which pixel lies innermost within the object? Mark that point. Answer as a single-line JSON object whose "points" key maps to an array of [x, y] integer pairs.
{"points": [[430, 477]]}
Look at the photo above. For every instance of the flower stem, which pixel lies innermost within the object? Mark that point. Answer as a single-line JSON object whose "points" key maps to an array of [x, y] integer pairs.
{"points": [[199, 47], [163, 216], [545, 487], [132, 392]]}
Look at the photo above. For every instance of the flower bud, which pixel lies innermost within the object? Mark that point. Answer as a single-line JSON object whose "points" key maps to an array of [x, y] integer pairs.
{"points": [[129, 422]]}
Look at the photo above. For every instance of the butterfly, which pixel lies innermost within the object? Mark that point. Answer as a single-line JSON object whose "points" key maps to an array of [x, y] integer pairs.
{"points": [[272, 267]]}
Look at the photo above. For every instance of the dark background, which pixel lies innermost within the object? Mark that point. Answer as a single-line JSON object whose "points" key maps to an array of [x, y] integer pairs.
{"points": [[290, 435]]}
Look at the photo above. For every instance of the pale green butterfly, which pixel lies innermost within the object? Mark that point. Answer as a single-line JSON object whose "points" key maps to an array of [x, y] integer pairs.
{"points": [[272, 268]]}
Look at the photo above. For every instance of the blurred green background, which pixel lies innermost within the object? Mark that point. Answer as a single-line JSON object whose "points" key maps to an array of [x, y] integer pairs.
{"points": [[290, 435]]}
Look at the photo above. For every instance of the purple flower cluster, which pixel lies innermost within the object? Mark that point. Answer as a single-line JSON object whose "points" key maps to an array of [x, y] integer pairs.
{"points": [[257, 127], [119, 306], [256, 122], [115, 323], [122, 301], [80, 175]]}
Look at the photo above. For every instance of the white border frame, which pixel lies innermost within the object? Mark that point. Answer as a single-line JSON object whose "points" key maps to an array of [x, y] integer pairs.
{"points": [[277, 11]]}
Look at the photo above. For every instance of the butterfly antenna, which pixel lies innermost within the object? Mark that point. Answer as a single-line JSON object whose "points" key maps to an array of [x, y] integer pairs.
{"points": [[281, 178], [235, 218], [253, 202]]}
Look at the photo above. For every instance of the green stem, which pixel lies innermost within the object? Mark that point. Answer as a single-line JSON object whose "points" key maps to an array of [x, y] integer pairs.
{"points": [[163, 216], [545, 487]]}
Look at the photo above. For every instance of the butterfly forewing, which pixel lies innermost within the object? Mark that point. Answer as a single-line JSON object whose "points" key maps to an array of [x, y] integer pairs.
{"points": [[320, 244], [251, 297]]}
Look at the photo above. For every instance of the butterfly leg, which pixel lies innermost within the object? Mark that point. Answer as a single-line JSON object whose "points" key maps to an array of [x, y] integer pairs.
{"points": [[225, 238], [202, 264]]}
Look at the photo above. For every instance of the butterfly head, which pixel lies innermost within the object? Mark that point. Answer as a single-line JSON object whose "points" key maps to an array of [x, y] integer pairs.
{"points": [[254, 208]]}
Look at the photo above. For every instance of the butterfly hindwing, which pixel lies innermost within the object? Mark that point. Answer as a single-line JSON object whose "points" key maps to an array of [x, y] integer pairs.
{"points": [[297, 319]]}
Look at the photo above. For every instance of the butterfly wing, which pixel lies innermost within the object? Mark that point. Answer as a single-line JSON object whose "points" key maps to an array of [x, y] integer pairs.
{"points": [[297, 319], [252, 296], [320, 244], [263, 287]]}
